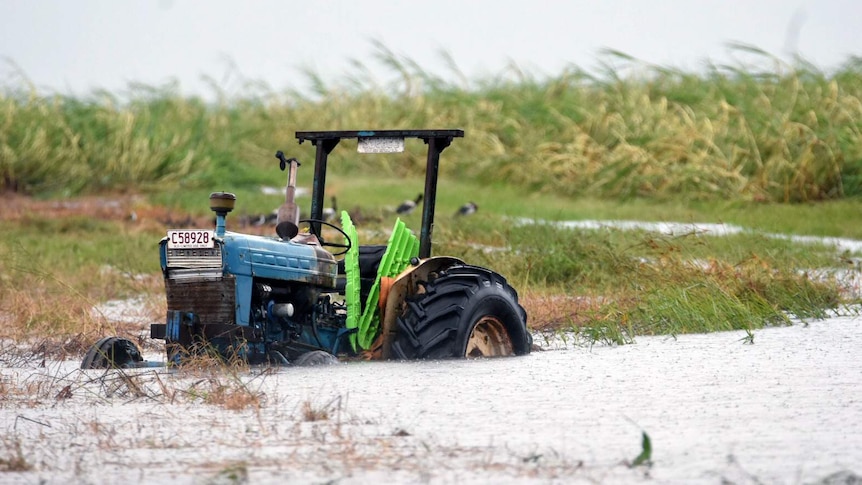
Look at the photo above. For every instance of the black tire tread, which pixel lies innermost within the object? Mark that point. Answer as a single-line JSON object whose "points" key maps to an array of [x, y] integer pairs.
{"points": [[429, 326], [111, 353]]}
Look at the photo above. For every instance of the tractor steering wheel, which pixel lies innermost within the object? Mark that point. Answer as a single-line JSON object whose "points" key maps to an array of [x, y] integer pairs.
{"points": [[346, 247]]}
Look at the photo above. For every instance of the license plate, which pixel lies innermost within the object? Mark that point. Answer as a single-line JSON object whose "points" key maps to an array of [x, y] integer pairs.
{"points": [[191, 239]]}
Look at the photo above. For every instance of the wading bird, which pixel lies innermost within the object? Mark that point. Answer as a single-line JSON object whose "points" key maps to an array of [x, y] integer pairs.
{"points": [[407, 206], [467, 209], [329, 213]]}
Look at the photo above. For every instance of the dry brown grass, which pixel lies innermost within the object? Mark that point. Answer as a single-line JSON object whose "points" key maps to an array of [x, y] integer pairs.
{"points": [[18, 207], [220, 381], [233, 396], [55, 311], [14, 459], [57, 322], [41, 301], [311, 412], [229, 388], [32, 390], [554, 311]]}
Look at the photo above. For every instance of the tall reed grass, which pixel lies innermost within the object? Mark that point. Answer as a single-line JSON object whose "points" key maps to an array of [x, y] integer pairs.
{"points": [[788, 133]]}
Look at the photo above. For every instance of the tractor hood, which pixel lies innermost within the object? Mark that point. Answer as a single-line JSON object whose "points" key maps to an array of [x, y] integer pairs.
{"points": [[271, 258]]}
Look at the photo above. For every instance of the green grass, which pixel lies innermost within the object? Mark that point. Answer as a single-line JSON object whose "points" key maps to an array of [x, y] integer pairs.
{"points": [[835, 218], [655, 283], [642, 282], [69, 246]]}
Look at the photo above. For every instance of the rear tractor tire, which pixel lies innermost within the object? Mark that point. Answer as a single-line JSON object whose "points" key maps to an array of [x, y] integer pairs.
{"points": [[466, 312]]}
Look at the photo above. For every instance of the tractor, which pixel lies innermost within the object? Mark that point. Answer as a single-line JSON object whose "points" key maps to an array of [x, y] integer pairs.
{"points": [[301, 297]]}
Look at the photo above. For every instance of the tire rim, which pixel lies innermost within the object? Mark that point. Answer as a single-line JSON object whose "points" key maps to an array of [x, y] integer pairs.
{"points": [[489, 338]]}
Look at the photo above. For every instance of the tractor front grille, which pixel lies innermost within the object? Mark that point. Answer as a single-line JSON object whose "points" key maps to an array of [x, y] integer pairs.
{"points": [[212, 300]]}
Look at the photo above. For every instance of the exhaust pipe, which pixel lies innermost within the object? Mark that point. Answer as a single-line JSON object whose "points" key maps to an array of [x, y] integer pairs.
{"points": [[287, 222]]}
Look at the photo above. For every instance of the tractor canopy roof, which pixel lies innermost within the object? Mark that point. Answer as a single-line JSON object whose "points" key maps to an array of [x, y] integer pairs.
{"points": [[382, 141]]}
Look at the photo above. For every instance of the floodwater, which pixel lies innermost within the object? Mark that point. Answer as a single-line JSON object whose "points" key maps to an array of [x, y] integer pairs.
{"points": [[782, 407]]}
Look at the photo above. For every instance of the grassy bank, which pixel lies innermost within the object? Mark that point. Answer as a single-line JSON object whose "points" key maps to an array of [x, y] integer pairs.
{"points": [[611, 284]]}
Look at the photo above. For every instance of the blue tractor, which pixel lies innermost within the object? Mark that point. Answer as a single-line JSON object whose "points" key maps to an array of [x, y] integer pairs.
{"points": [[299, 298]]}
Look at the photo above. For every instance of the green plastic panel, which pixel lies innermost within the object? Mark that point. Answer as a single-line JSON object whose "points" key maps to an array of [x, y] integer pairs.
{"points": [[402, 247], [351, 270]]}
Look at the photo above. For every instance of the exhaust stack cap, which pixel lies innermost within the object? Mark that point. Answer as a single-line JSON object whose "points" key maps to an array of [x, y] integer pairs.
{"points": [[222, 202]]}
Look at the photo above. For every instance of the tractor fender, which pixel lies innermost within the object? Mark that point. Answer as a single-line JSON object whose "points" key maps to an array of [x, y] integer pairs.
{"points": [[394, 292]]}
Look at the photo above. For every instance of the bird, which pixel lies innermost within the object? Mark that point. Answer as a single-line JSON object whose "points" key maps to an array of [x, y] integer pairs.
{"points": [[407, 206], [467, 209], [329, 213], [264, 219]]}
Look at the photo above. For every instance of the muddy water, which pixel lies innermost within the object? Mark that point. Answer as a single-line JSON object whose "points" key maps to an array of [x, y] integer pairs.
{"points": [[786, 408]]}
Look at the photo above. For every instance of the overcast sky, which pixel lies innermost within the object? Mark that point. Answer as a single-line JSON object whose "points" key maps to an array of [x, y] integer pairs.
{"points": [[74, 46]]}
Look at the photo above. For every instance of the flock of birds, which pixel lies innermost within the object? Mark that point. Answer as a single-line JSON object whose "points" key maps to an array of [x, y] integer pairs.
{"points": [[408, 206], [330, 213]]}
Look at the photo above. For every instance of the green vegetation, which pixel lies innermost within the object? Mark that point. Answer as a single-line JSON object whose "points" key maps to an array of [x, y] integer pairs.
{"points": [[645, 456], [775, 152], [788, 134], [648, 283], [609, 284]]}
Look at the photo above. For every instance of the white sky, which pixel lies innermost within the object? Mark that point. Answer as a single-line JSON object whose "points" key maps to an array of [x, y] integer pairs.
{"points": [[74, 46]]}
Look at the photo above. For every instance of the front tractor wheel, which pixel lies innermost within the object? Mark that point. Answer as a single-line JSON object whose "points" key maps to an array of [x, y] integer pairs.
{"points": [[467, 311], [112, 353]]}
